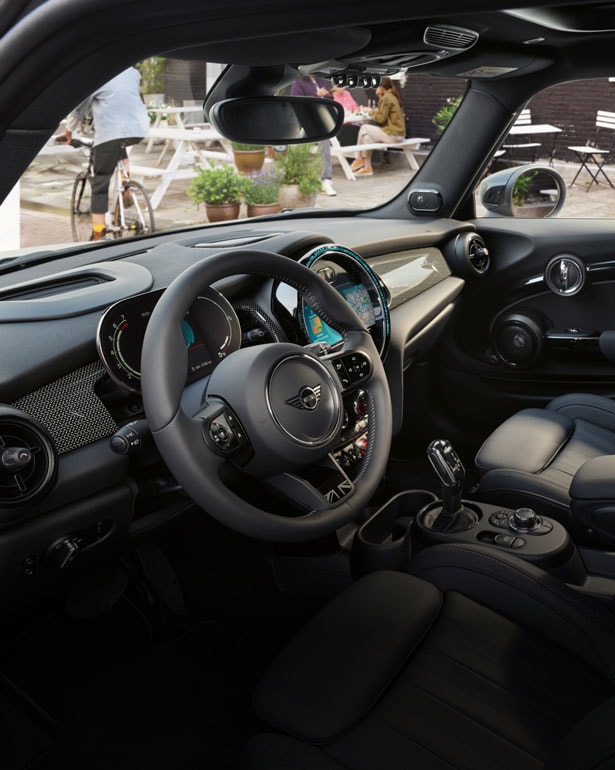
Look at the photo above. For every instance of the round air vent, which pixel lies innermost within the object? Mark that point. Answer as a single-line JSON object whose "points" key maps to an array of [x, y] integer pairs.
{"points": [[470, 255], [565, 275], [27, 459]]}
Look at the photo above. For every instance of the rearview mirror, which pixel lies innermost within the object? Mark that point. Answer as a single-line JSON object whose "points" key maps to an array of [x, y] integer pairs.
{"points": [[530, 192], [277, 119]]}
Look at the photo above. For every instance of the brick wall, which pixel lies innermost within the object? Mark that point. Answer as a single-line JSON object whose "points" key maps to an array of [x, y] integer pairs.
{"points": [[571, 106]]}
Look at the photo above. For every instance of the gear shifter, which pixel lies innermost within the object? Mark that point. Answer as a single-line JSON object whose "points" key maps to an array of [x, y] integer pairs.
{"points": [[449, 469], [453, 516]]}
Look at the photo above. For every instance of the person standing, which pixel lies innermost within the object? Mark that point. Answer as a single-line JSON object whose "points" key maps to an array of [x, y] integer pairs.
{"points": [[306, 85], [389, 125], [120, 119]]}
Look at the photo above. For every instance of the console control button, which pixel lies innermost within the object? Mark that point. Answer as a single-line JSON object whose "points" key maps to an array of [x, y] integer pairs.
{"points": [[509, 541]]}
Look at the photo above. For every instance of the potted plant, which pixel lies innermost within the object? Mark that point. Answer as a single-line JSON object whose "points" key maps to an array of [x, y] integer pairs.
{"points": [[219, 188], [261, 192], [248, 157], [299, 168], [443, 116]]}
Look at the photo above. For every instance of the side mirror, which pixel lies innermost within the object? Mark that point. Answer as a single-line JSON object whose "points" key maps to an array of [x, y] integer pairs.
{"points": [[530, 192], [277, 119]]}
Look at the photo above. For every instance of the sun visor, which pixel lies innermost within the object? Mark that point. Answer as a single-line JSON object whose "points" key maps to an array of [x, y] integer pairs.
{"points": [[305, 47]]}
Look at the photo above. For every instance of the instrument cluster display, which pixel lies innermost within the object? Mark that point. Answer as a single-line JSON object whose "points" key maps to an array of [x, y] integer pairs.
{"points": [[210, 329]]}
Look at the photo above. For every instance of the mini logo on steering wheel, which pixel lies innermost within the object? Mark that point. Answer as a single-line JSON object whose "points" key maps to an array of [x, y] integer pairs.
{"points": [[308, 398]]}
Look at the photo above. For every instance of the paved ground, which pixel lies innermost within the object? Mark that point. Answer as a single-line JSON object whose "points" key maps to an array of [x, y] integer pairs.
{"points": [[46, 186]]}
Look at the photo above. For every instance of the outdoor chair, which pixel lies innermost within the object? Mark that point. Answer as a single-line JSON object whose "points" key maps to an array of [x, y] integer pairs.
{"points": [[523, 139], [592, 157]]}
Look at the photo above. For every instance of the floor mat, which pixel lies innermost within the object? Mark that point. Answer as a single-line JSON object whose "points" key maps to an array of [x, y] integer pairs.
{"points": [[127, 703]]}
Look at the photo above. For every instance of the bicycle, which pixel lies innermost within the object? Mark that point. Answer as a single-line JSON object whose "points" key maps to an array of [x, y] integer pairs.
{"points": [[130, 210]]}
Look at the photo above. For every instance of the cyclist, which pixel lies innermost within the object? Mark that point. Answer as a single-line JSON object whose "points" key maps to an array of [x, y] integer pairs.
{"points": [[120, 119]]}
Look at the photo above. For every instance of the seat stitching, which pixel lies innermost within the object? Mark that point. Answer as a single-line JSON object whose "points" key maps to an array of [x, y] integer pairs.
{"points": [[479, 675], [464, 716], [564, 599]]}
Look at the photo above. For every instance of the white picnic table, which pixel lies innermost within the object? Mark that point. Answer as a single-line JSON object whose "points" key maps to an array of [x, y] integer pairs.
{"points": [[191, 146]]}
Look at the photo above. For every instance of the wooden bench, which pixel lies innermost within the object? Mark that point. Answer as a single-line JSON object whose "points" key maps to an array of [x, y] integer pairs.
{"points": [[408, 147]]}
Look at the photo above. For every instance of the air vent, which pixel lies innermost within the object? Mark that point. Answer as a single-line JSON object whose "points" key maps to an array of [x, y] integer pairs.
{"points": [[27, 460], [449, 37], [478, 254], [470, 255]]}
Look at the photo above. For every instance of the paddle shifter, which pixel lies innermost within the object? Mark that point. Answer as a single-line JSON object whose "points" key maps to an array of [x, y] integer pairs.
{"points": [[453, 516]]}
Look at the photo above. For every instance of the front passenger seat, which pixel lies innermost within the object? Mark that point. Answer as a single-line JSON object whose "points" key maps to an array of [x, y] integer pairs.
{"points": [[531, 458], [477, 661]]}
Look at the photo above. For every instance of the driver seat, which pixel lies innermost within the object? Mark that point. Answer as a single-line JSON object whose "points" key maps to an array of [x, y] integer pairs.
{"points": [[476, 661]]}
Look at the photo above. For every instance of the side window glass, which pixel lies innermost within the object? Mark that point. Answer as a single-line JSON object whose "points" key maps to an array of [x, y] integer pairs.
{"points": [[570, 130]]}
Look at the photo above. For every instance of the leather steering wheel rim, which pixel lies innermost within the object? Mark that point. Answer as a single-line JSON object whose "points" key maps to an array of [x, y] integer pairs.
{"points": [[180, 437]]}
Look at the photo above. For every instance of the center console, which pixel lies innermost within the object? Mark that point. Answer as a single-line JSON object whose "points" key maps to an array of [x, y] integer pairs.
{"points": [[416, 519]]}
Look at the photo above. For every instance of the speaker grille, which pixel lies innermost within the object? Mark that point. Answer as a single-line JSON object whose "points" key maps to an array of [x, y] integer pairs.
{"points": [[518, 339]]}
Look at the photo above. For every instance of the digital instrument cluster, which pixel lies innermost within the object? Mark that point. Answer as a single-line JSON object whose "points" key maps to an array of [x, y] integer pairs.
{"points": [[210, 329]]}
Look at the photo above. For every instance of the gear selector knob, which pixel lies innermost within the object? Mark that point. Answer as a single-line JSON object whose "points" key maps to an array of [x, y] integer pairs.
{"points": [[450, 471]]}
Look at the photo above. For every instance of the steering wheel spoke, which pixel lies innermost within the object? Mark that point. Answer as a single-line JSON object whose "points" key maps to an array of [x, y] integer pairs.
{"points": [[315, 488], [352, 368], [223, 432]]}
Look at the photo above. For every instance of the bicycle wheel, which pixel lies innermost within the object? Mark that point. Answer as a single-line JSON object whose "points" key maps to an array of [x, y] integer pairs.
{"points": [[81, 208], [138, 212]]}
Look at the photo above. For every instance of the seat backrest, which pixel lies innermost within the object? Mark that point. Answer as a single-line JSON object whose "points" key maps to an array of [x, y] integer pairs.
{"points": [[605, 119], [525, 118]]}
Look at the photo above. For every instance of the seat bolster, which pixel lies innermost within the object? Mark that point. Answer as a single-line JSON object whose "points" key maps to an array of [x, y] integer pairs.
{"points": [[549, 495], [598, 410], [525, 594], [590, 743], [527, 441], [335, 669]]}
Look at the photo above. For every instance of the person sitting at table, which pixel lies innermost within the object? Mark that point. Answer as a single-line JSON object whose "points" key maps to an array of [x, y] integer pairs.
{"points": [[348, 133], [389, 125], [345, 98]]}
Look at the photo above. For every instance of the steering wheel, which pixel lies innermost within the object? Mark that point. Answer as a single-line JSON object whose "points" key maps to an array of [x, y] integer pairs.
{"points": [[274, 410]]}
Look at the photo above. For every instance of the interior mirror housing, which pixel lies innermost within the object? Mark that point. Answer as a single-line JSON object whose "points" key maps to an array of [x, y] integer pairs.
{"points": [[277, 119], [529, 191]]}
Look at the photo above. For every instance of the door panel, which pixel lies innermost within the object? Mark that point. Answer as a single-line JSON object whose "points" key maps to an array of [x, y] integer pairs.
{"points": [[514, 341]]}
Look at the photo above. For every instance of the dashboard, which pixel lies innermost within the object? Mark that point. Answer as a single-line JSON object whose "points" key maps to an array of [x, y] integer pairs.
{"points": [[72, 327]]}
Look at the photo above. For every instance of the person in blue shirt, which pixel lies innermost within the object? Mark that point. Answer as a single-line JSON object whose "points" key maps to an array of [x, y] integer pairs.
{"points": [[120, 119]]}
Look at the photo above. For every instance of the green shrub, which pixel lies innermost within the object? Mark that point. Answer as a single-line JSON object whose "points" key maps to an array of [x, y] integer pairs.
{"points": [[262, 187], [300, 164], [246, 147], [221, 184], [442, 118]]}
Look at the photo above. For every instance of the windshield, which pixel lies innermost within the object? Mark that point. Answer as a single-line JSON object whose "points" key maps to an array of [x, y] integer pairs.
{"points": [[175, 170]]}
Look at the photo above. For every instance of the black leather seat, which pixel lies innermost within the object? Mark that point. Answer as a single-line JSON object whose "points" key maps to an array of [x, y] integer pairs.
{"points": [[476, 661], [531, 459]]}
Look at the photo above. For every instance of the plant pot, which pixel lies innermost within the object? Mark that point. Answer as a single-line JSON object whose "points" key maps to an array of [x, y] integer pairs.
{"points": [[248, 161], [221, 212], [292, 198], [260, 209]]}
